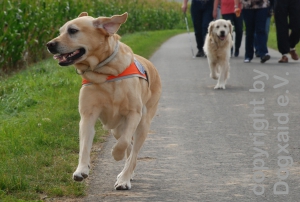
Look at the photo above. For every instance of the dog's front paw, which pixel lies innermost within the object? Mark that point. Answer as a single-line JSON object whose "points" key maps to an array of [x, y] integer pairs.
{"points": [[220, 86], [81, 174], [122, 184]]}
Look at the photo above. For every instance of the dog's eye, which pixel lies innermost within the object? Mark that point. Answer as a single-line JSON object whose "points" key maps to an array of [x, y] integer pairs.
{"points": [[218, 27], [72, 31], [225, 26]]}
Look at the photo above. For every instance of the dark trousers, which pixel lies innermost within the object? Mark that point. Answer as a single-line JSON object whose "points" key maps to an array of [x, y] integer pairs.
{"points": [[284, 10], [255, 21], [267, 32], [201, 16], [237, 22]]}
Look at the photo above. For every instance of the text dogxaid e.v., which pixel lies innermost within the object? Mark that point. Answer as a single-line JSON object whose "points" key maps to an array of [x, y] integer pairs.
{"points": [[261, 126]]}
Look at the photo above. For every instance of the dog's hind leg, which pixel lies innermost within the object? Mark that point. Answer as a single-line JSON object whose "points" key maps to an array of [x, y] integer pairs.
{"points": [[117, 134], [124, 134], [123, 180], [129, 148]]}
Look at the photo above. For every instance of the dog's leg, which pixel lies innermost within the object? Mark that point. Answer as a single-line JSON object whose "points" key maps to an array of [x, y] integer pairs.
{"points": [[124, 135], [123, 180], [86, 135], [226, 76], [224, 68], [127, 153], [214, 73], [117, 134]]}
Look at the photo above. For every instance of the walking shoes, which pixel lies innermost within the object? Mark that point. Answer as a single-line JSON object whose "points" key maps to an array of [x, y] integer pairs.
{"points": [[284, 59], [265, 58], [294, 55]]}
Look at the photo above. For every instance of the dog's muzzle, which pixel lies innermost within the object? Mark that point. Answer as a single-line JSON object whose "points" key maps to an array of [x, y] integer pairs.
{"points": [[64, 59], [222, 35]]}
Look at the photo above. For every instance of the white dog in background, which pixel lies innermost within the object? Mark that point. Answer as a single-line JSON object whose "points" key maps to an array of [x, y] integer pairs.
{"points": [[217, 48]]}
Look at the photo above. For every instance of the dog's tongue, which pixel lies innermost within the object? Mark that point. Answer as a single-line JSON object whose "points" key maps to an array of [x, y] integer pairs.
{"points": [[222, 37]]}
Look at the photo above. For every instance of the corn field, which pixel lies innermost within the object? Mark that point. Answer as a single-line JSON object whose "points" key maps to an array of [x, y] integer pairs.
{"points": [[27, 25]]}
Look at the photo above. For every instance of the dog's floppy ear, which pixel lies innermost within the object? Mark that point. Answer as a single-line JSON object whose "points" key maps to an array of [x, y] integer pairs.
{"points": [[110, 25], [230, 27], [83, 14], [210, 27]]}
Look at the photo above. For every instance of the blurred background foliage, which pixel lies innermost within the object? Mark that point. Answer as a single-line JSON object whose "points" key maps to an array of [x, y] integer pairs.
{"points": [[26, 25]]}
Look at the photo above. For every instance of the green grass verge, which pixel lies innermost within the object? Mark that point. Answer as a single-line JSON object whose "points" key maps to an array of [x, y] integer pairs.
{"points": [[39, 126]]}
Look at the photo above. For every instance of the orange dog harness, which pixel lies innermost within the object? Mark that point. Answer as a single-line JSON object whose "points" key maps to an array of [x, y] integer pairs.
{"points": [[135, 69]]}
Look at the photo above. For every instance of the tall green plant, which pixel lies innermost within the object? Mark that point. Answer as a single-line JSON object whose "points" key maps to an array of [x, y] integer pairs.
{"points": [[27, 25]]}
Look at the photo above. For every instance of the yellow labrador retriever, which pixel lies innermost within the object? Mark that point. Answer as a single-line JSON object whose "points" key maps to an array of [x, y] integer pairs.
{"points": [[119, 88], [217, 45]]}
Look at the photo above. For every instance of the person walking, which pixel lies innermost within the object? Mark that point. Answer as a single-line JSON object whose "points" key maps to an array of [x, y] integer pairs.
{"points": [[255, 13], [285, 10], [268, 22], [201, 12], [227, 11]]}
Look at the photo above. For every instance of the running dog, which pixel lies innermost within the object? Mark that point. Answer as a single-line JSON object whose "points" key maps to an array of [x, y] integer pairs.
{"points": [[217, 47], [119, 88]]}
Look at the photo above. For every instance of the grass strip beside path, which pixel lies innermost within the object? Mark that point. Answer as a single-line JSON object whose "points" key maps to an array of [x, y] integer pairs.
{"points": [[39, 126]]}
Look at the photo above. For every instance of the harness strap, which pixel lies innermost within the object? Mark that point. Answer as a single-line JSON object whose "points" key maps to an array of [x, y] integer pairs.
{"points": [[86, 82], [135, 69]]}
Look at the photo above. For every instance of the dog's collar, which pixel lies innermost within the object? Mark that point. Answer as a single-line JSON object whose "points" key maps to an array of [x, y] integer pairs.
{"points": [[104, 62], [107, 60], [135, 69]]}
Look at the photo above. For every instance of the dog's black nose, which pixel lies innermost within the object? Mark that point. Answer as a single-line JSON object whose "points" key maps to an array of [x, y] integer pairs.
{"points": [[222, 33], [50, 44], [51, 47]]}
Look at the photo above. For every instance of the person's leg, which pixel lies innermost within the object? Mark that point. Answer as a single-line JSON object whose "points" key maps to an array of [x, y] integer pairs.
{"points": [[230, 17], [196, 14], [268, 26], [206, 19], [219, 15], [294, 16], [238, 23], [282, 27], [250, 28], [261, 35], [256, 46]]}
